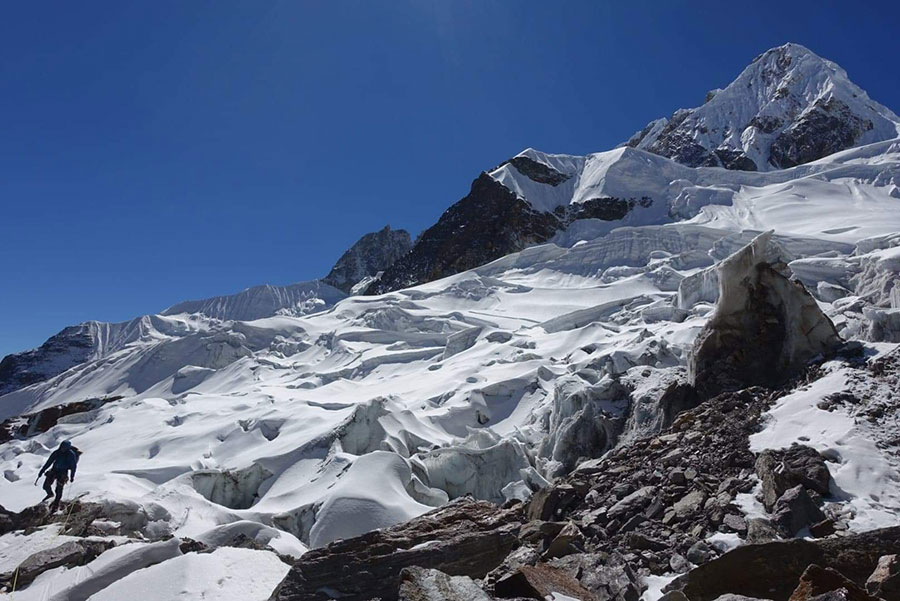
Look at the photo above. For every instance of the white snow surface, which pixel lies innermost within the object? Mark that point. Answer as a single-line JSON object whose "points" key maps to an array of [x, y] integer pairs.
{"points": [[863, 474], [226, 574]]}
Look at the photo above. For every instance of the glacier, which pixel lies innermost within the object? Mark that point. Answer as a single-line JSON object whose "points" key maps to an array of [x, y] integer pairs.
{"points": [[297, 416]]}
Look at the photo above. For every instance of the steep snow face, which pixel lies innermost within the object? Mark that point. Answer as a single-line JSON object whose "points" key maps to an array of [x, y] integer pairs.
{"points": [[622, 173], [810, 200], [788, 107], [264, 301]]}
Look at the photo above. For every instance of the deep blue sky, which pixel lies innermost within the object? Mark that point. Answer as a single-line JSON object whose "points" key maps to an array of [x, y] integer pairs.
{"points": [[155, 151]]}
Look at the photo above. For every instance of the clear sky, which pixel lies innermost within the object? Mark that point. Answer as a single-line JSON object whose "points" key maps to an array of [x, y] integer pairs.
{"points": [[157, 151]]}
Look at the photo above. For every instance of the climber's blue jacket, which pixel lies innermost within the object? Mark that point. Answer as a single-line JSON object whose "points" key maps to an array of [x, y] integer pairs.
{"points": [[62, 460]]}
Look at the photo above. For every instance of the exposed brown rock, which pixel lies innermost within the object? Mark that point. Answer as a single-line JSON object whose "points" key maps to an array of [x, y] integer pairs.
{"points": [[462, 538], [817, 580], [539, 582], [885, 580], [772, 570]]}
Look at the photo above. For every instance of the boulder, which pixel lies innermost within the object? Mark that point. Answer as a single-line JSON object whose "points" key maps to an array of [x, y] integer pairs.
{"points": [[885, 580], [549, 503], [69, 554], [765, 328], [632, 503], [772, 570], [780, 470], [421, 584], [760, 530], [690, 503], [539, 582], [569, 540], [607, 576], [463, 538], [539, 532], [735, 522], [795, 510], [817, 581]]}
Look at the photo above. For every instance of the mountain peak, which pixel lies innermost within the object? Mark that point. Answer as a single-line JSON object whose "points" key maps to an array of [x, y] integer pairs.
{"points": [[791, 49], [787, 107], [368, 257]]}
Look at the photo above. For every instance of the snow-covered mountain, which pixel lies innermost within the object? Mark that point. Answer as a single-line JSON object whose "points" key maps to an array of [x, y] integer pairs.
{"points": [[538, 345], [788, 107]]}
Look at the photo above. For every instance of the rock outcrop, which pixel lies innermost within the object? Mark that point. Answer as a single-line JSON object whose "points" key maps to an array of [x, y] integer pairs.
{"points": [[817, 581], [490, 222], [773, 570], [68, 348], [463, 538], [68, 554], [369, 256], [32, 424], [765, 328]]}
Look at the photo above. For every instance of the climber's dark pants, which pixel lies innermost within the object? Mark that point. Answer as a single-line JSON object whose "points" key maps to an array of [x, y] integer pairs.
{"points": [[61, 479]]}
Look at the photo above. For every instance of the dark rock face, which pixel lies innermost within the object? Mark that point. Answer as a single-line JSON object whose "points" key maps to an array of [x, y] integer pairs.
{"points": [[830, 127], [370, 255], [678, 143], [72, 346], [489, 223], [773, 570], [464, 538], [735, 159], [605, 208], [536, 171], [36, 423]]}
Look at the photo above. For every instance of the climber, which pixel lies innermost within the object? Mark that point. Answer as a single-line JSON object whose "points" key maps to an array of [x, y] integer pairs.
{"points": [[60, 464]]}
